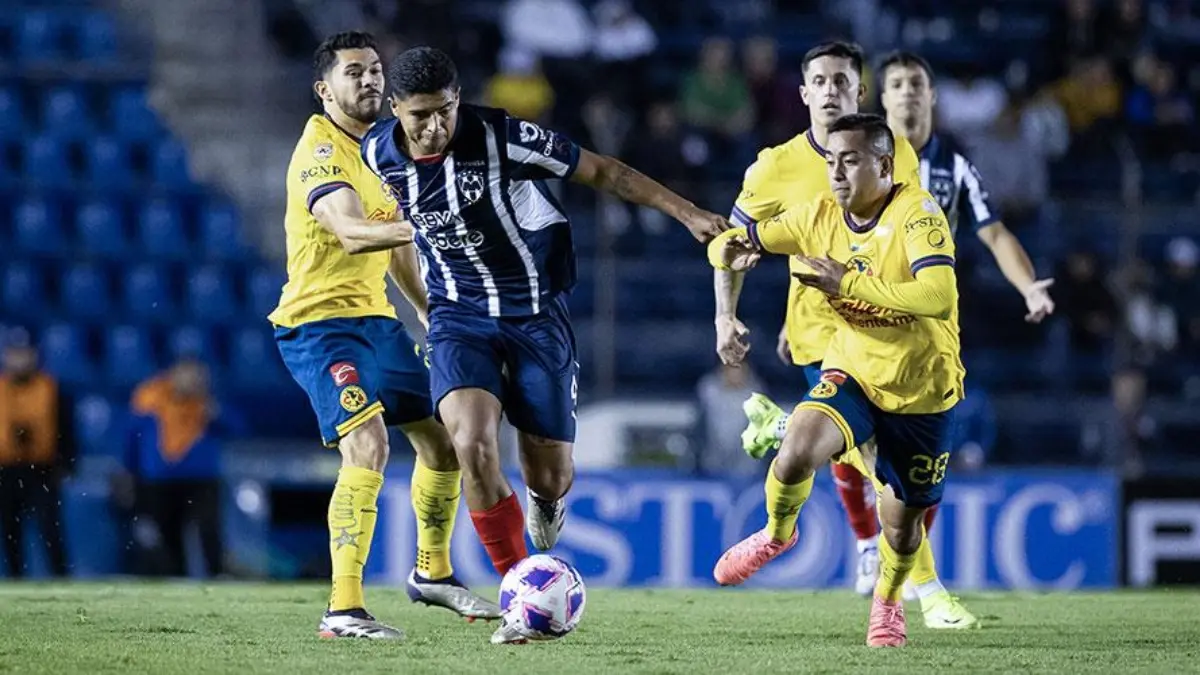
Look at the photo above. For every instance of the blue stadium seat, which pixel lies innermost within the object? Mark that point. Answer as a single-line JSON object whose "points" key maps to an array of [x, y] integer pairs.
{"points": [[220, 232], [95, 427], [168, 165], [129, 355], [148, 293], [95, 37], [210, 296], [191, 341], [254, 362], [24, 290], [101, 230], [46, 162], [63, 348], [12, 112], [160, 230], [65, 113], [85, 292], [262, 289], [130, 115], [108, 163], [38, 37], [38, 228]]}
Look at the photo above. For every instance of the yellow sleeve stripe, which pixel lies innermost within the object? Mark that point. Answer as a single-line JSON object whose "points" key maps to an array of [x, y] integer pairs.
{"points": [[830, 412], [359, 419], [325, 189]]}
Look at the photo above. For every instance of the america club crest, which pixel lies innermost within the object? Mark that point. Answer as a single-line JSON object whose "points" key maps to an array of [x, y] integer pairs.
{"points": [[470, 186]]}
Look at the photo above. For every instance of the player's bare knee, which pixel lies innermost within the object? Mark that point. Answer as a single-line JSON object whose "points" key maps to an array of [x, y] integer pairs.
{"points": [[477, 451], [431, 442], [811, 440], [367, 446], [904, 538]]}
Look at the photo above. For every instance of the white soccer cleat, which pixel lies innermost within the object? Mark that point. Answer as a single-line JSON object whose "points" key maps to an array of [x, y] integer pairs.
{"points": [[544, 520], [356, 623], [868, 570], [507, 635], [450, 594]]}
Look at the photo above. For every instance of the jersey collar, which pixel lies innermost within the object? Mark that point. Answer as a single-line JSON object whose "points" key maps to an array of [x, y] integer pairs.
{"points": [[812, 141], [356, 139], [867, 227]]}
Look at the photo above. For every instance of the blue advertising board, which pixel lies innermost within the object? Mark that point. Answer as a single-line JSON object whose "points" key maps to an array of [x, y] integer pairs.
{"points": [[1020, 530]]}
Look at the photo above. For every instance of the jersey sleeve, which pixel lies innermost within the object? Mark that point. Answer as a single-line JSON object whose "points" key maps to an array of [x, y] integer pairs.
{"points": [[784, 233], [537, 153], [754, 202], [927, 238], [974, 203], [320, 168]]}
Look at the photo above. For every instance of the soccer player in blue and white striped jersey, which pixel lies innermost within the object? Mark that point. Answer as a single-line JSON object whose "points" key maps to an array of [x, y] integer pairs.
{"points": [[499, 260]]}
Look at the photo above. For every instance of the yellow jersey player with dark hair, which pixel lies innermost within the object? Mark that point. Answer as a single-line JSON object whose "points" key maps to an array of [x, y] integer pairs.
{"points": [[341, 340], [881, 255]]}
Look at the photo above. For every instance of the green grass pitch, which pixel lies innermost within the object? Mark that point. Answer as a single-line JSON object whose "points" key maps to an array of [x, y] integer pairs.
{"points": [[167, 628]]}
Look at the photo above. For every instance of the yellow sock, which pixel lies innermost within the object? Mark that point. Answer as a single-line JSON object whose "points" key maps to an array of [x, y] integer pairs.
{"points": [[352, 515], [924, 570], [435, 496], [893, 571], [783, 504]]}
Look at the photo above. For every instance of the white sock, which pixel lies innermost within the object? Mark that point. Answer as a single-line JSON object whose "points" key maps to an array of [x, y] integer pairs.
{"points": [[929, 588], [868, 544], [781, 427]]}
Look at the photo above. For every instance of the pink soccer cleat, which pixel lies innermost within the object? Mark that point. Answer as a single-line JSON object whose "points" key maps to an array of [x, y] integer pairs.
{"points": [[887, 628], [748, 556]]}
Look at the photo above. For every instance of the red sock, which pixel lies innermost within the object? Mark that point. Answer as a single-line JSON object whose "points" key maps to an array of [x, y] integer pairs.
{"points": [[929, 515], [852, 488], [501, 529]]}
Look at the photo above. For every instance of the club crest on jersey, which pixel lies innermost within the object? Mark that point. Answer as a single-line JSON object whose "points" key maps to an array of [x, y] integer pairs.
{"points": [[860, 264], [353, 398], [344, 373], [323, 152], [936, 239], [470, 186]]}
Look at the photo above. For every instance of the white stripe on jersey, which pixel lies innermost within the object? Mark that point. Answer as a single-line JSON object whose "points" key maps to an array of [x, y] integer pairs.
{"points": [[522, 155], [534, 211], [460, 228], [414, 190], [974, 190], [510, 229]]}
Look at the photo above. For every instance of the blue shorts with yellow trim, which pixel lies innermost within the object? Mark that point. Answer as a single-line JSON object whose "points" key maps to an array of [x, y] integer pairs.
{"points": [[913, 451], [812, 374], [354, 369]]}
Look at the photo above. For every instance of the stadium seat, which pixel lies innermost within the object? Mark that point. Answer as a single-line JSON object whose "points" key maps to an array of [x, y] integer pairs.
{"points": [[65, 113], [24, 291], [262, 288], [191, 341], [210, 296], [160, 230], [46, 162], [220, 232], [38, 37], [108, 163], [38, 228], [254, 362], [130, 115], [168, 165], [95, 37], [101, 232], [148, 293], [128, 355], [95, 426], [64, 353], [12, 112], [85, 292]]}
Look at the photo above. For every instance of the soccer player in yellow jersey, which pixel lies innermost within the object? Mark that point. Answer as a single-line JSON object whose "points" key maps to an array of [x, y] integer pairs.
{"points": [[892, 370], [341, 340]]}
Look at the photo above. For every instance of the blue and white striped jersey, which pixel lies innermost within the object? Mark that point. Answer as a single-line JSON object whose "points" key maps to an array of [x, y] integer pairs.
{"points": [[491, 236], [951, 178]]}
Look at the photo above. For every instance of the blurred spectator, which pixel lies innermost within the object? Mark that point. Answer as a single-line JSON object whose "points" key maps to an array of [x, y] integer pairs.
{"points": [[1075, 31], [715, 97], [559, 29], [1090, 308], [1014, 153], [520, 87], [776, 94], [35, 455], [1180, 290], [623, 45], [670, 155], [721, 394], [1124, 29], [969, 104], [1089, 93], [1118, 437], [174, 456], [1156, 109], [973, 436], [1150, 323]]}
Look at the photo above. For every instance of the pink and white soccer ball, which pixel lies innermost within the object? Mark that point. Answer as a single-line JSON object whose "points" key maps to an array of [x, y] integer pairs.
{"points": [[542, 597]]}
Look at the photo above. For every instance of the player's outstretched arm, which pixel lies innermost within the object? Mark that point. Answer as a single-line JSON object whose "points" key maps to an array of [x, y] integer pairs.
{"points": [[1014, 263], [613, 176], [405, 270], [933, 293], [341, 213]]}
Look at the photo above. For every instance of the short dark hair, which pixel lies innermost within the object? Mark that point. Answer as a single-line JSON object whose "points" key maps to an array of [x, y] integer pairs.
{"points": [[421, 70], [838, 50], [326, 54], [875, 127], [906, 60]]}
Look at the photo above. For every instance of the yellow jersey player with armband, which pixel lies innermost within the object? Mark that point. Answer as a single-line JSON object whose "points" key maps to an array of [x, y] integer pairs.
{"points": [[881, 254]]}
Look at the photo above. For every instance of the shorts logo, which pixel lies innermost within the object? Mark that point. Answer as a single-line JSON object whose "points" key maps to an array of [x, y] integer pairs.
{"points": [[353, 398], [323, 152], [344, 373], [824, 389]]}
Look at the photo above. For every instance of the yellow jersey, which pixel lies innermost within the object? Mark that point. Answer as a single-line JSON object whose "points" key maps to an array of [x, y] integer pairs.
{"points": [[790, 175], [906, 362], [324, 281]]}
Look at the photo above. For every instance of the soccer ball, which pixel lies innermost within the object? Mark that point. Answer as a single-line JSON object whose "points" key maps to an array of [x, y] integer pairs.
{"points": [[542, 597]]}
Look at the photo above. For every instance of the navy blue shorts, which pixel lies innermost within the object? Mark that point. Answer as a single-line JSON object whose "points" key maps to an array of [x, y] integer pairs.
{"points": [[353, 369], [812, 374], [528, 363], [913, 451]]}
